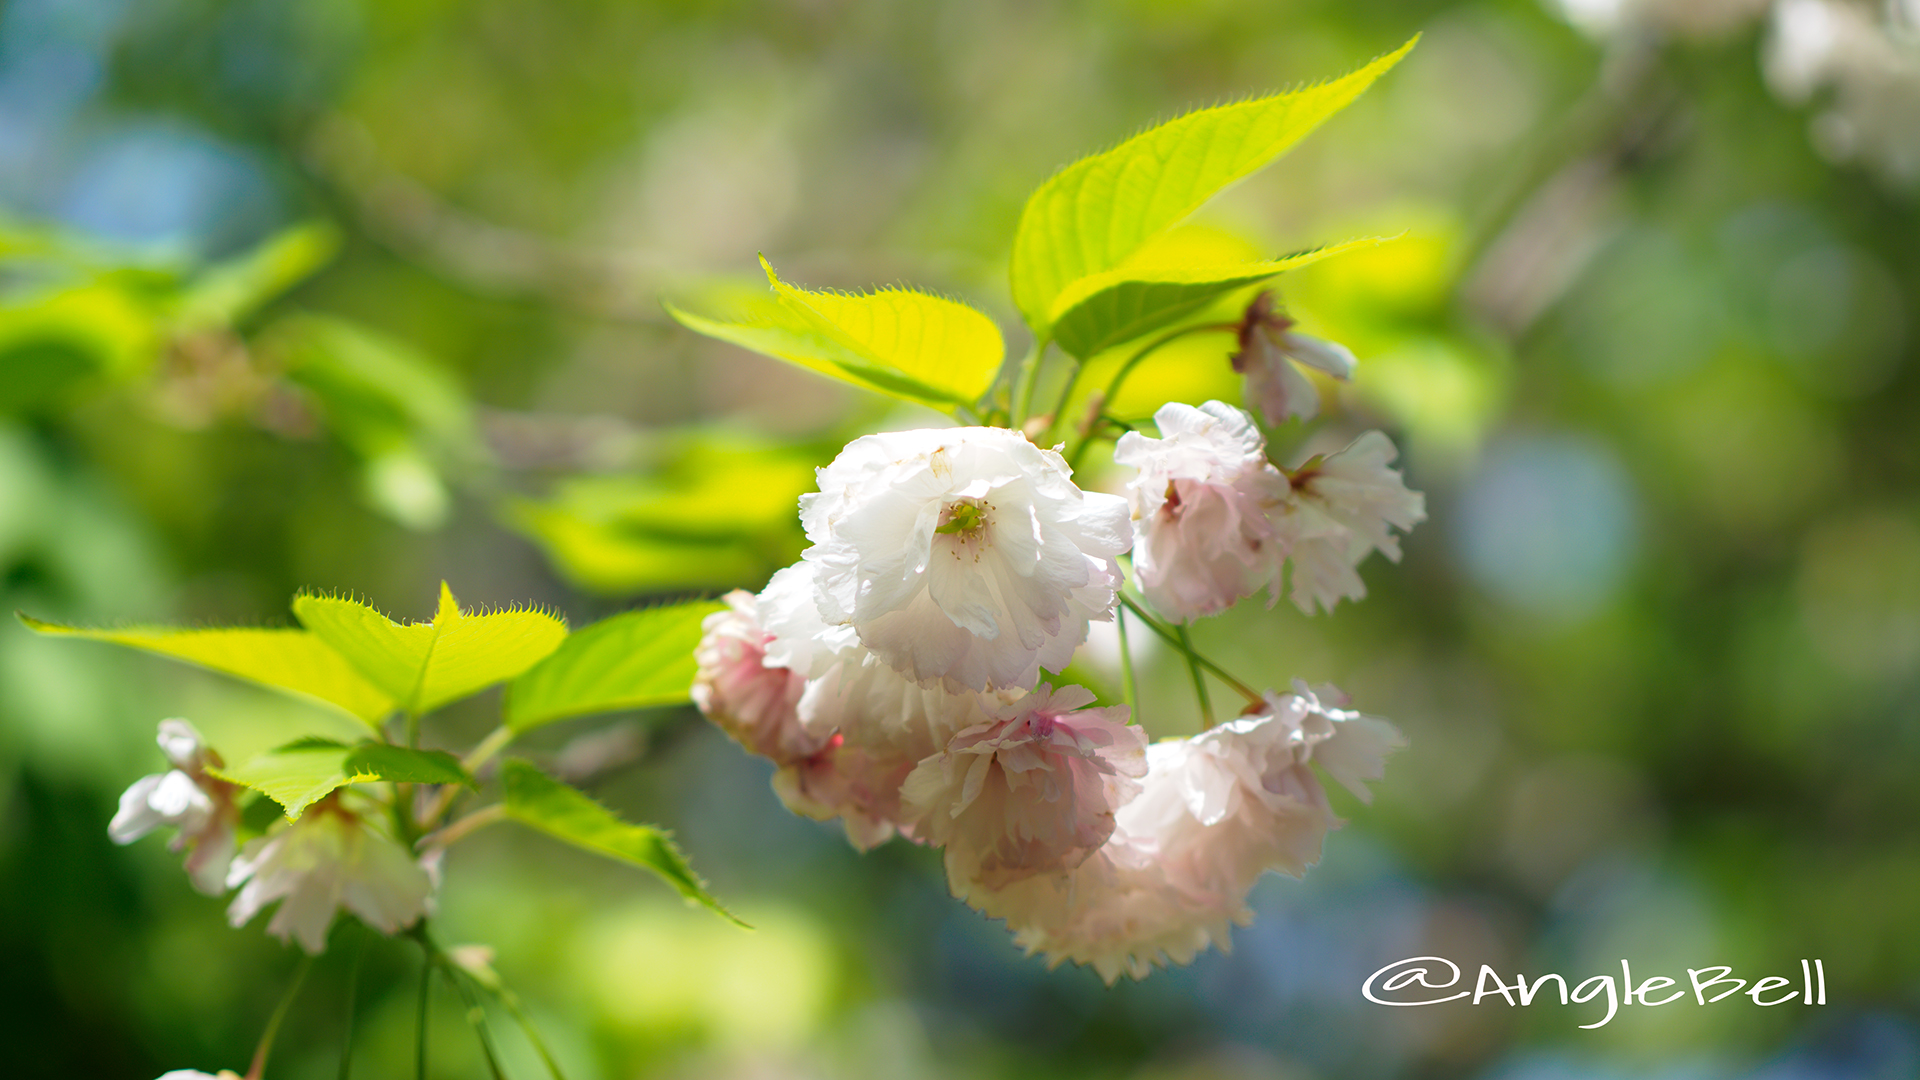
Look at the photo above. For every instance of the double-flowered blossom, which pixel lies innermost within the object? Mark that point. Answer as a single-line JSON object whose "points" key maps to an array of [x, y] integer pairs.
{"points": [[842, 728], [1032, 788], [1203, 505], [188, 798], [1215, 812], [1343, 507], [891, 674], [962, 556], [755, 704], [332, 857], [1269, 349]]}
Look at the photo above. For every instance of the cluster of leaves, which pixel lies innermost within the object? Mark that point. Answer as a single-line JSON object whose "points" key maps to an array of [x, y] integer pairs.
{"points": [[1099, 263], [351, 659], [78, 320]]}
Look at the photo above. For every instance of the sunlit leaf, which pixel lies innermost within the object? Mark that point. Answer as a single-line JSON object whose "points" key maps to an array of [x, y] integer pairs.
{"points": [[636, 660], [228, 292], [912, 345], [614, 559], [1098, 312], [423, 666], [53, 345], [565, 813], [300, 774], [401, 413], [1094, 214], [712, 514], [293, 661]]}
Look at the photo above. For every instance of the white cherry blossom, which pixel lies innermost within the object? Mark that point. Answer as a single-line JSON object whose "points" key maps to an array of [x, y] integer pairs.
{"points": [[188, 798], [1202, 504], [1031, 789], [1344, 507], [331, 858], [1269, 349], [962, 556]]}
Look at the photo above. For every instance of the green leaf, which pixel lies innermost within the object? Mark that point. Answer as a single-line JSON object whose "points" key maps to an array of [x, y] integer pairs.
{"points": [[637, 660], [403, 415], [712, 514], [565, 813], [1096, 213], [301, 773], [404, 765], [292, 661], [56, 345], [912, 345], [1099, 312], [377, 392], [423, 666], [611, 558], [230, 291]]}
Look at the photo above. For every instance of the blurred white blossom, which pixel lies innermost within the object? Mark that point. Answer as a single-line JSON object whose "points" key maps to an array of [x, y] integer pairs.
{"points": [[1870, 59], [964, 556], [189, 799], [1202, 501], [331, 858]]}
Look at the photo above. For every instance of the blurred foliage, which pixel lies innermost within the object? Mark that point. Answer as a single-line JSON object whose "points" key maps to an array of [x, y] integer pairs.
{"points": [[1647, 343]]}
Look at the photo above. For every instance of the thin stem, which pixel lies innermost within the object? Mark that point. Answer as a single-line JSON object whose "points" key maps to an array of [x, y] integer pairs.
{"points": [[426, 988], [460, 829], [476, 1016], [1029, 375], [1128, 688], [1253, 696], [1120, 377], [260, 1052], [512, 1003], [353, 990], [1199, 677], [1066, 396], [495, 742]]}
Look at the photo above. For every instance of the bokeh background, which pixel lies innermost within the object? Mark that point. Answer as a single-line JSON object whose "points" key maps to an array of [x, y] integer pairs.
{"points": [[358, 296]]}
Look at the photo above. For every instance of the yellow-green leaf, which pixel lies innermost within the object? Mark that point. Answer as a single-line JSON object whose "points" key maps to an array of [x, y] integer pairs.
{"points": [[912, 345], [300, 774], [1094, 214], [637, 660], [566, 813], [292, 661], [423, 666], [230, 291], [1098, 312]]}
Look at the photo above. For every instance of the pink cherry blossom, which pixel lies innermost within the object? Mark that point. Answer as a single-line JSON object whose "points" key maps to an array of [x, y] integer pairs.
{"points": [[1269, 349], [1344, 507], [1031, 789], [1203, 501]]}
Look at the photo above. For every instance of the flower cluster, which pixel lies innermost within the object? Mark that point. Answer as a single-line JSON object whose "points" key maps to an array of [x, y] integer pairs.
{"points": [[894, 674], [333, 856]]}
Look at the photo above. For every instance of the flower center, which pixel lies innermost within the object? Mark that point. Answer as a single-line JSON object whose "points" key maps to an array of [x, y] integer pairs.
{"points": [[963, 519]]}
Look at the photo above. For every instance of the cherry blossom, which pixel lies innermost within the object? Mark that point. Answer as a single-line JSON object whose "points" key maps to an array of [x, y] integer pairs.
{"points": [[189, 799], [964, 556]]}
